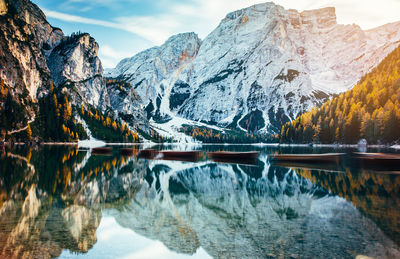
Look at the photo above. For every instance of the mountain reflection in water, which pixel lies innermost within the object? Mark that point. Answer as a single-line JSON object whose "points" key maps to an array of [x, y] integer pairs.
{"points": [[52, 199]]}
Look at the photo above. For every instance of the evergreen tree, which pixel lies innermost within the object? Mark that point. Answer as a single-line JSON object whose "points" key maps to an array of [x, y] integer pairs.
{"points": [[371, 110]]}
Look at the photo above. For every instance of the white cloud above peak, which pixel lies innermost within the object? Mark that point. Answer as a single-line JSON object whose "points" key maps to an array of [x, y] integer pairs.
{"points": [[170, 17]]}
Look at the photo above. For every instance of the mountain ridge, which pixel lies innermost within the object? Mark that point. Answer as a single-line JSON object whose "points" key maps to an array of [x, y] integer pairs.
{"points": [[260, 68], [370, 111], [48, 78], [262, 64]]}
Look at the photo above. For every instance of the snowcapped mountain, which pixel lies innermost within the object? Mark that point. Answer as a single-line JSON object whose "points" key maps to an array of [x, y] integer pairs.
{"points": [[261, 67], [152, 71]]}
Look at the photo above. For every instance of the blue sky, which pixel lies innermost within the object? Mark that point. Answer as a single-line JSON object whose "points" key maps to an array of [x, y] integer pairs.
{"points": [[125, 27]]}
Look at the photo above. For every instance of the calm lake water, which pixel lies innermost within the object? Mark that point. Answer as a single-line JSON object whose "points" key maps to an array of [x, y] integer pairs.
{"points": [[65, 202]]}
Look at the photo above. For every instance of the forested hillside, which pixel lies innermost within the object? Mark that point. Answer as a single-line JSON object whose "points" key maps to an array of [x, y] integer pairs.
{"points": [[55, 120], [371, 110], [103, 126]]}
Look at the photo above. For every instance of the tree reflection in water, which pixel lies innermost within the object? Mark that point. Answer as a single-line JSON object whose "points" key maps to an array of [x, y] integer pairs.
{"points": [[52, 199]]}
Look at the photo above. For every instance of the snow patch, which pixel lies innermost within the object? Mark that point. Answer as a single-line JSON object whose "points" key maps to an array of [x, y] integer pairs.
{"points": [[92, 143]]}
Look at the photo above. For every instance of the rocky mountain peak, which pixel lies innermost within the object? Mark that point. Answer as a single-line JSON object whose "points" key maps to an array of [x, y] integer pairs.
{"points": [[74, 62], [321, 18], [262, 8], [266, 12], [89, 43], [183, 45], [149, 68], [261, 67], [24, 30], [34, 55], [27, 11]]}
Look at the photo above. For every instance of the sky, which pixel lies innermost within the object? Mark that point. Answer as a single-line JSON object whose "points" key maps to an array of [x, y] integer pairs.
{"points": [[125, 27]]}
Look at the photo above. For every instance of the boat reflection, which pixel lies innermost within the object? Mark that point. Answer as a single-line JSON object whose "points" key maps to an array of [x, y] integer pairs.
{"points": [[327, 167]]}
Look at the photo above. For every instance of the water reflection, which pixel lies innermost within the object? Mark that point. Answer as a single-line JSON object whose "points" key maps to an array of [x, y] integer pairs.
{"points": [[54, 199], [377, 196]]}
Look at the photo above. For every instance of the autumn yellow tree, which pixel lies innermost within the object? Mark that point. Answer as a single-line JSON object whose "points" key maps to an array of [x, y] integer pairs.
{"points": [[29, 132]]}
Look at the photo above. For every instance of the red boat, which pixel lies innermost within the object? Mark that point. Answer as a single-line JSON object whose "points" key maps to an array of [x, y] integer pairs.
{"points": [[307, 158], [148, 153], [234, 155], [181, 155], [126, 151], [378, 156], [102, 151], [371, 160]]}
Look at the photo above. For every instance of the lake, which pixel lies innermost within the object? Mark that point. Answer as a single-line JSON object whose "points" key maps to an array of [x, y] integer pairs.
{"points": [[65, 202]]}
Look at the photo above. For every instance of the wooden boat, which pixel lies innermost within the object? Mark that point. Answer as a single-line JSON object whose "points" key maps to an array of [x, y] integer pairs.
{"points": [[378, 160], [126, 151], [307, 158], [234, 155], [181, 159], [377, 156], [184, 156], [179, 154], [102, 151], [148, 153]]}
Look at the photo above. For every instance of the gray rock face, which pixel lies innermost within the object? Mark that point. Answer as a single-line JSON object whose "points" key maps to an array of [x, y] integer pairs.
{"points": [[24, 31], [33, 54], [128, 104], [150, 70], [74, 63], [261, 67]]}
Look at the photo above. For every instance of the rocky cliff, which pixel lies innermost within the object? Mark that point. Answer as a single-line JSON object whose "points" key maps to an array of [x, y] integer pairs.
{"points": [[33, 55], [74, 63], [25, 38], [261, 67]]}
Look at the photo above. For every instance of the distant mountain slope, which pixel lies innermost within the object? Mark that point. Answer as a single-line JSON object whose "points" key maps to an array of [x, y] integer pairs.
{"points": [[371, 110], [260, 68]]}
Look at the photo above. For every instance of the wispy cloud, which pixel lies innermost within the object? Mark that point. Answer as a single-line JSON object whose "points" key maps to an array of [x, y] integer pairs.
{"points": [[198, 16], [110, 56], [164, 18], [79, 19], [202, 16], [135, 26]]}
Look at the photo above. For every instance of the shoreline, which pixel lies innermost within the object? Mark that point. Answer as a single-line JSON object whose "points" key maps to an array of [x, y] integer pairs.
{"points": [[206, 144]]}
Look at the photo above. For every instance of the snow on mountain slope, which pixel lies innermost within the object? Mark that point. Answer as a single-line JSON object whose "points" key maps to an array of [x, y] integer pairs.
{"points": [[261, 67], [149, 70]]}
